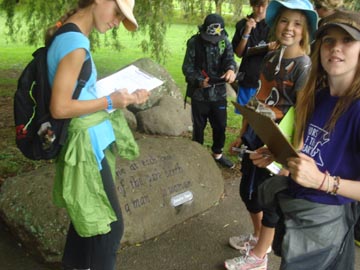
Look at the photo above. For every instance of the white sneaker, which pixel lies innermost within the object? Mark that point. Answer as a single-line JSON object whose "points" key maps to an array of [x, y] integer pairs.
{"points": [[247, 262], [245, 242]]}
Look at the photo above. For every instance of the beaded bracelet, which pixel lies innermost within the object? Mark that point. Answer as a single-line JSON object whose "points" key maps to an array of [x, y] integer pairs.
{"points": [[323, 181], [336, 185], [110, 104]]}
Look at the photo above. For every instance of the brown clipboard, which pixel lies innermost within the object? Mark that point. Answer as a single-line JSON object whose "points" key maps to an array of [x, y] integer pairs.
{"points": [[269, 133]]}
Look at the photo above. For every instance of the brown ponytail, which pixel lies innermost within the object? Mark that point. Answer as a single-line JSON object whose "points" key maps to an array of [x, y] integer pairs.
{"points": [[52, 29]]}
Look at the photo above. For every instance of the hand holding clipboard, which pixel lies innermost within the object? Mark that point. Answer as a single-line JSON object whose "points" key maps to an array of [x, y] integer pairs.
{"points": [[267, 130]]}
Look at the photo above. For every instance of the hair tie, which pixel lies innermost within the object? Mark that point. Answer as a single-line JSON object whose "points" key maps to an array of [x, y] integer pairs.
{"points": [[58, 24]]}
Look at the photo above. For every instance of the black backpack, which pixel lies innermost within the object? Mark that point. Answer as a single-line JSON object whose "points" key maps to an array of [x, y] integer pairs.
{"points": [[199, 60], [38, 135]]}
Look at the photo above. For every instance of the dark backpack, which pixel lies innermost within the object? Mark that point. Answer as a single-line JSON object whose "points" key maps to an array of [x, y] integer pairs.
{"points": [[38, 135], [199, 61]]}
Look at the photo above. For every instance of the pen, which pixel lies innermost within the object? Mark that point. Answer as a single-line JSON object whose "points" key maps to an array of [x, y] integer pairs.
{"points": [[243, 150], [254, 152]]}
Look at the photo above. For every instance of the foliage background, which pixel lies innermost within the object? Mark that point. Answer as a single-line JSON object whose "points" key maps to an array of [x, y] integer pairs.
{"points": [[164, 28], [32, 17]]}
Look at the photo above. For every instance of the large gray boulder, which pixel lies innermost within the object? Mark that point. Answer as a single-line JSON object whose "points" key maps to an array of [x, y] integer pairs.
{"points": [[164, 112], [168, 88], [130, 119], [230, 91], [168, 117], [149, 189]]}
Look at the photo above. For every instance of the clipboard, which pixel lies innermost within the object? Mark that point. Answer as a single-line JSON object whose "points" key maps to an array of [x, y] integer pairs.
{"points": [[130, 77], [269, 133]]}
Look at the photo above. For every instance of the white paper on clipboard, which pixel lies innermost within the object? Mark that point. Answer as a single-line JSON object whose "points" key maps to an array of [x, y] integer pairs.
{"points": [[131, 78]]}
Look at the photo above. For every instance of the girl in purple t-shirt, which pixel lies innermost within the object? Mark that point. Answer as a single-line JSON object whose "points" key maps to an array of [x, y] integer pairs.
{"points": [[319, 205]]}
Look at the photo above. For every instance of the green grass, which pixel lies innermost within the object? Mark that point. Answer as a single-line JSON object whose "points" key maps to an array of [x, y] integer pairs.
{"points": [[14, 57], [107, 60]]}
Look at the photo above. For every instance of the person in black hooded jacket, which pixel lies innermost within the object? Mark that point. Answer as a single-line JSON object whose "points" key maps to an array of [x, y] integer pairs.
{"points": [[208, 65]]}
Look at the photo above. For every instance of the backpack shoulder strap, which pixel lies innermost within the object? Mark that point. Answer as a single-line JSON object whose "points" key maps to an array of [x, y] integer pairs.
{"points": [[83, 76], [68, 27], [86, 68], [82, 79], [199, 51], [199, 58]]}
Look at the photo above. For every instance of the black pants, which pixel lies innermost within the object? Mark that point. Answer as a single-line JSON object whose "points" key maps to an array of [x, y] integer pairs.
{"points": [[216, 113], [96, 252], [251, 178]]}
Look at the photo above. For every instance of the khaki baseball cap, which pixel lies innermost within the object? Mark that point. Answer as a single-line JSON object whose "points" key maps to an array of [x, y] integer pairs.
{"points": [[127, 7]]}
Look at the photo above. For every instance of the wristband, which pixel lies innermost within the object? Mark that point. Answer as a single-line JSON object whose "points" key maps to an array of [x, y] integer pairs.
{"points": [[109, 102], [326, 174], [245, 36]]}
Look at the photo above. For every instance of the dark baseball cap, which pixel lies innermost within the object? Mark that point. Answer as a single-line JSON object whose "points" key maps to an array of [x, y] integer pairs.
{"points": [[345, 19], [213, 28]]}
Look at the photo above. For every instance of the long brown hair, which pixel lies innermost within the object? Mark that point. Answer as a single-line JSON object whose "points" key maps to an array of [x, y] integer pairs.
{"points": [[305, 103], [52, 29]]}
